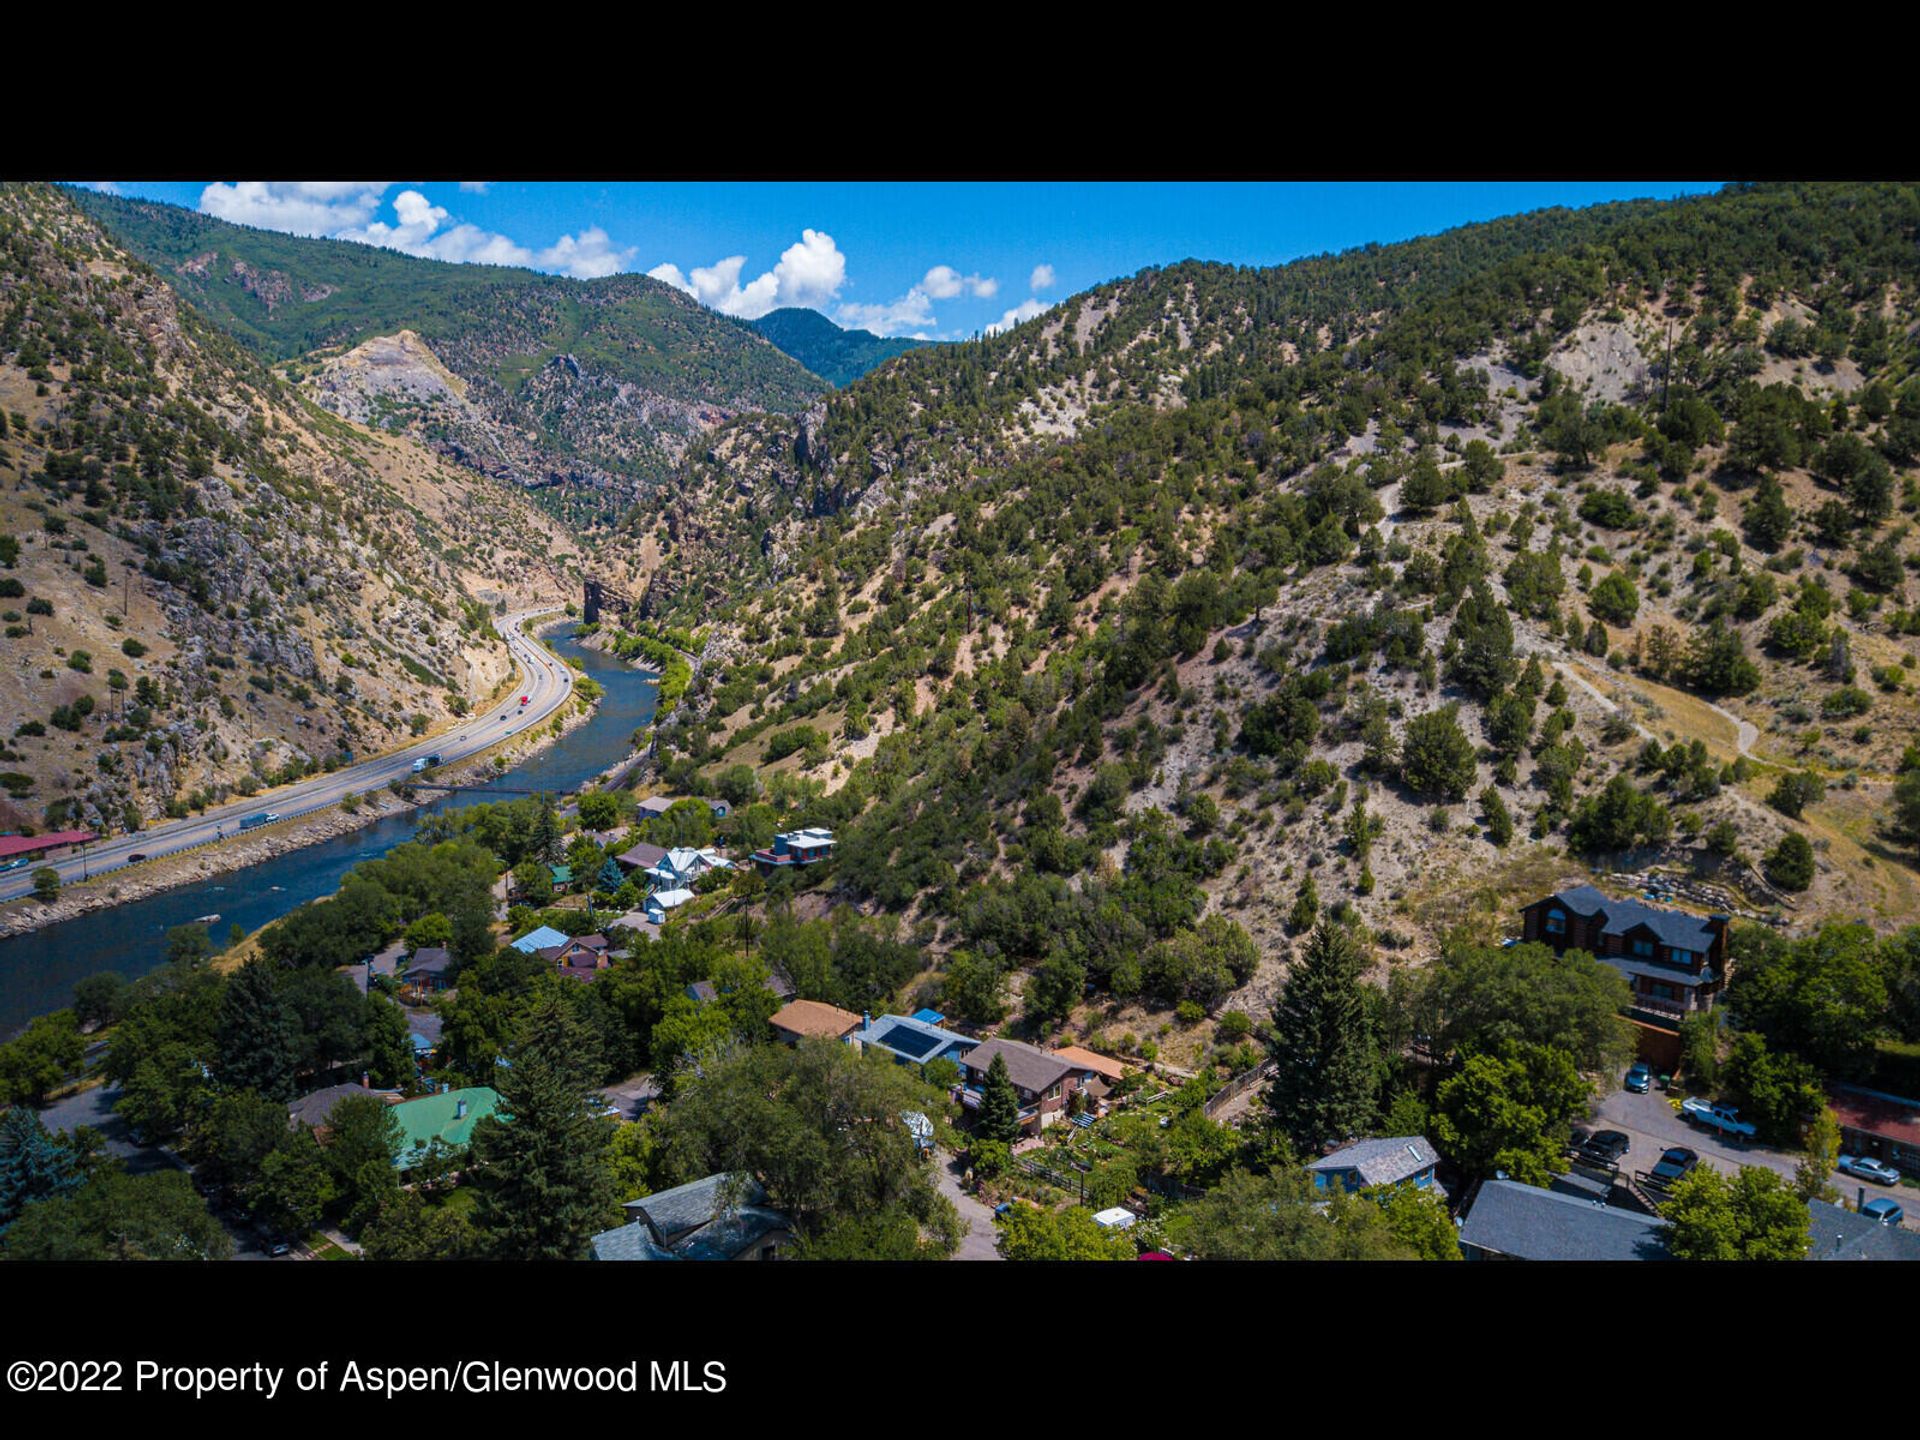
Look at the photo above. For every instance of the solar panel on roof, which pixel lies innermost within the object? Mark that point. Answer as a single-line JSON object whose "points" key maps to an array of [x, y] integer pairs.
{"points": [[911, 1043]]}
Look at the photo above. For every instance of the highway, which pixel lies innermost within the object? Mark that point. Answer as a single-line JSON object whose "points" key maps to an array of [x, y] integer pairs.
{"points": [[544, 680]]}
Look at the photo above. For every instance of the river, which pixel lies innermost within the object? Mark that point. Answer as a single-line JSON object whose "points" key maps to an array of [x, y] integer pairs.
{"points": [[38, 971]]}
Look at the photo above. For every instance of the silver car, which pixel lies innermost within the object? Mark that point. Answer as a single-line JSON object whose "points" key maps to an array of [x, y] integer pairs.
{"points": [[1868, 1168]]}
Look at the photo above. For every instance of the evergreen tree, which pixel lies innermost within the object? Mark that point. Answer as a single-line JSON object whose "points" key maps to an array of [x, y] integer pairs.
{"points": [[1325, 1077], [543, 1172], [999, 1105], [545, 843], [1436, 757], [1484, 660], [259, 1035], [33, 1165], [1499, 818]]}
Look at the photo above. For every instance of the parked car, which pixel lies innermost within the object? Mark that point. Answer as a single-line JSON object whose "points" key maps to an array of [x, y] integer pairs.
{"points": [[1868, 1168], [1887, 1212], [1675, 1164], [278, 1248], [1639, 1079], [136, 857], [1606, 1147]]}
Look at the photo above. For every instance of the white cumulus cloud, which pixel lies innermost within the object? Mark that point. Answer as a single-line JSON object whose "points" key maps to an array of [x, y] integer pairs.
{"points": [[1041, 279], [943, 282], [1025, 310], [810, 273], [299, 207], [589, 257]]}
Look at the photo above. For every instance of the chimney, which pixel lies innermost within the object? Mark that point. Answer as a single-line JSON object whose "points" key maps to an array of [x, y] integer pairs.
{"points": [[366, 1082], [459, 1109]]}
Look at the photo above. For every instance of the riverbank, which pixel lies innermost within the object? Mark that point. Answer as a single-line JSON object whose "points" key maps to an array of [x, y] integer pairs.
{"points": [[237, 852]]}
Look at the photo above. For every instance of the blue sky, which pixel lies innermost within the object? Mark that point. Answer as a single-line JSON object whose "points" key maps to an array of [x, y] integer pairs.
{"points": [[940, 260]]}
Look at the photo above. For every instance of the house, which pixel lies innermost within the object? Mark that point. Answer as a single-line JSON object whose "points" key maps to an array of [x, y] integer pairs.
{"points": [[781, 984], [1042, 1080], [428, 971], [448, 1117], [313, 1109], [702, 992], [1098, 1074], [641, 857], [534, 941], [1875, 1123], [663, 903], [653, 807], [636, 922], [1401, 1160], [795, 847], [562, 877], [911, 1042], [583, 957], [799, 1020], [1841, 1234], [1511, 1221], [1675, 963], [680, 867], [708, 1219]]}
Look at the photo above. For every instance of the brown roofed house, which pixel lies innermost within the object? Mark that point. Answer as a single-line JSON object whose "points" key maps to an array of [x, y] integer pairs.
{"points": [[1042, 1079], [583, 957], [807, 1019], [1097, 1071]]}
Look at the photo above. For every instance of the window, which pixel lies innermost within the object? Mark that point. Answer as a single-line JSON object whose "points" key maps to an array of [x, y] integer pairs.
{"points": [[1681, 957], [1556, 923], [1643, 948]]}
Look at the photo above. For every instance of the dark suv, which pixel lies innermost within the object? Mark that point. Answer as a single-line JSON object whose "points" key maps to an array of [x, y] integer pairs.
{"points": [[1605, 1147], [1675, 1164]]}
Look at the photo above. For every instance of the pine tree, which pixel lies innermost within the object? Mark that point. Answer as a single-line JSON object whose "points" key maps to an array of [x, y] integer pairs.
{"points": [[545, 841], [999, 1105], [543, 1173], [259, 1034], [1324, 1079], [33, 1166]]}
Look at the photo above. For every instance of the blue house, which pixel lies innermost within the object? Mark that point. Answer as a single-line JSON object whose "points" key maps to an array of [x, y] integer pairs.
{"points": [[1401, 1160], [912, 1042]]}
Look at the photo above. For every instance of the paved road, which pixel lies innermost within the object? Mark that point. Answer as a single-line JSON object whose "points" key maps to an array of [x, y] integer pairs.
{"points": [[979, 1241], [94, 1107], [545, 681]]}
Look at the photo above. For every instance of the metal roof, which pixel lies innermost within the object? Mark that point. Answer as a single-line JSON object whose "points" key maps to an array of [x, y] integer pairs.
{"points": [[1526, 1223]]}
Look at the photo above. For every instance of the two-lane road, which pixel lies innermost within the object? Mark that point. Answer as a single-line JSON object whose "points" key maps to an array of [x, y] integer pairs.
{"points": [[544, 680]]}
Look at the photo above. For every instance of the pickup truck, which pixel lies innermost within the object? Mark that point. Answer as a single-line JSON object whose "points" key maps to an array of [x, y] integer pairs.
{"points": [[1722, 1118]]}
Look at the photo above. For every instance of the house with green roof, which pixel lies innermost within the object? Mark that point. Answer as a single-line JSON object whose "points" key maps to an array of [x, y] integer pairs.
{"points": [[448, 1117]]}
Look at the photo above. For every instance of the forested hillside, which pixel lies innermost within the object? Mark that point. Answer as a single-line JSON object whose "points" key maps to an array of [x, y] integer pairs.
{"points": [[588, 389], [841, 356], [209, 585], [1401, 584]]}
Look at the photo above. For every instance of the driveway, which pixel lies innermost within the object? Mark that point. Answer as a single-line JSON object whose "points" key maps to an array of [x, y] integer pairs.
{"points": [[978, 1242]]}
